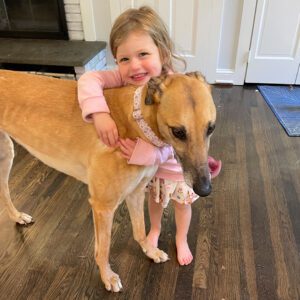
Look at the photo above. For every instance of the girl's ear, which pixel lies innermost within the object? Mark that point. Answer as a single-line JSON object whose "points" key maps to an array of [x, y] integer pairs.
{"points": [[156, 86]]}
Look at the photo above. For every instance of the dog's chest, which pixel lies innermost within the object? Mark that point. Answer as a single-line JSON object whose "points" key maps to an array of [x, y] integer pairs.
{"points": [[142, 179]]}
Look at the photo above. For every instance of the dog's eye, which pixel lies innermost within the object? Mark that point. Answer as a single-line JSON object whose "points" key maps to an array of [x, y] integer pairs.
{"points": [[179, 133], [210, 129]]}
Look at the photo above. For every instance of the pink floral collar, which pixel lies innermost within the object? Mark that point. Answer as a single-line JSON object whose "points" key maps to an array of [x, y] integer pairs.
{"points": [[138, 117]]}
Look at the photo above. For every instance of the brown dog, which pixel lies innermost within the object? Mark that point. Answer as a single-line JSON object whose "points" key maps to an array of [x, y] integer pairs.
{"points": [[42, 114]]}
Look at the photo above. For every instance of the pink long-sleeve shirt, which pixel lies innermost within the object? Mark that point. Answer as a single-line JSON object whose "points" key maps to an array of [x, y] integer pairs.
{"points": [[91, 100]]}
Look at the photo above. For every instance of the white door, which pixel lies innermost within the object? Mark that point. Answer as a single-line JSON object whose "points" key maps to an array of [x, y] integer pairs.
{"points": [[275, 48], [182, 19]]}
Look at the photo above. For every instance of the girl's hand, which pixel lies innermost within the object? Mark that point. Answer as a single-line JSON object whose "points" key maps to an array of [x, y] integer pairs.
{"points": [[106, 129], [127, 147]]}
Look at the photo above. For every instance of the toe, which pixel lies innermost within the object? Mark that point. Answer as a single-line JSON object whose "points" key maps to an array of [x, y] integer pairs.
{"points": [[24, 219], [164, 256], [27, 218], [113, 284]]}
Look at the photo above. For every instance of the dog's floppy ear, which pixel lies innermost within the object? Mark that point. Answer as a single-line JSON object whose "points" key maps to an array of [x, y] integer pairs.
{"points": [[198, 76], [195, 74], [156, 86]]}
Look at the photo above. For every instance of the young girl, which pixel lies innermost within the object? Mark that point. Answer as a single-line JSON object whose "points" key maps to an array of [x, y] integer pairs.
{"points": [[142, 49]]}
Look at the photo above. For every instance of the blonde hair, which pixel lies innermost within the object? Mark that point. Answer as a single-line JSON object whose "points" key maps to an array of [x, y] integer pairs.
{"points": [[146, 20]]}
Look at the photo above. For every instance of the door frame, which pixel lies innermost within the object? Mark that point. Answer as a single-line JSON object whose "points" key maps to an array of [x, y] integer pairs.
{"points": [[298, 77]]}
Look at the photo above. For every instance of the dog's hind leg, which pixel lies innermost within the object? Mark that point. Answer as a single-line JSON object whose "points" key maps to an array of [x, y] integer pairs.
{"points": [[135, 204], [6, 160]]}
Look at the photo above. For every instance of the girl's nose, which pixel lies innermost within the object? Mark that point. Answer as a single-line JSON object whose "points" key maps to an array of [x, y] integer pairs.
{"points": [[134, 64]]}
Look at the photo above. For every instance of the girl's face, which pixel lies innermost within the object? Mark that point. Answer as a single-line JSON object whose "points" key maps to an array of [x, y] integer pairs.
{"points": [[138, 59]]}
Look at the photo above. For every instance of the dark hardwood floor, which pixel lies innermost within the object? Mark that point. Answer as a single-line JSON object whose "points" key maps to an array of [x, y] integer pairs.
{"points": [[245, 236]]}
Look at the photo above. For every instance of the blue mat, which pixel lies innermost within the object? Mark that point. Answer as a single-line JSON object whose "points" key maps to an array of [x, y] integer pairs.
{"points": [[285, 103]]}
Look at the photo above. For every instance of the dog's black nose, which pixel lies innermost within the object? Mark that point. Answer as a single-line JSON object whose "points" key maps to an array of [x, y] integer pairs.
{"points": [[203, 187]]}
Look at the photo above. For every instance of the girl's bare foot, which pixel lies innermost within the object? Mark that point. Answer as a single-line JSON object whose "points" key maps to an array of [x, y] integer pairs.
{"points": [[184, 255]]}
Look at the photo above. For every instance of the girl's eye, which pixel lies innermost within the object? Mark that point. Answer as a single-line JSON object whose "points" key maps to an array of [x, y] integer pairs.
{"points": [[123, 60], [142, 54]]}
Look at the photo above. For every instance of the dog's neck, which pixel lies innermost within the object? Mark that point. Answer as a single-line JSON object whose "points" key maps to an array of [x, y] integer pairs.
{"points": [[121, 105]]}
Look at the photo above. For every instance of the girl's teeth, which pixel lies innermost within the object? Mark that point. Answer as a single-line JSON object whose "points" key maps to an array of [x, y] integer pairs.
{"points": [[138, 76]]}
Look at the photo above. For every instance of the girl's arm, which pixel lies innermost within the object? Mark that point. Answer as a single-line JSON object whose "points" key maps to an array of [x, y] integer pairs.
{"points": [[93, 105], [139, 152], [90, 91]]}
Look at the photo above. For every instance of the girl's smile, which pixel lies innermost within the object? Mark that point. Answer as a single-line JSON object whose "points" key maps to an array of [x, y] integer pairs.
{"points": [[139, 77]]}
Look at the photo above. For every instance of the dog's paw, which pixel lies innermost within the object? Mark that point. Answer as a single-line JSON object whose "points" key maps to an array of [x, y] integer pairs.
{"points": [[160, 256], [112, 282], [156, 254], [23, 219]]}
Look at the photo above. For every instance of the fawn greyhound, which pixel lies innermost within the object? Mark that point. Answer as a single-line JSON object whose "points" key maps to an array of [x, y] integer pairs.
{"points": [[42, 114]]}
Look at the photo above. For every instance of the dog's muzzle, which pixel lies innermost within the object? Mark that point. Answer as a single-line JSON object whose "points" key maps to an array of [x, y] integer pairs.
{"points": [[202, 187]]}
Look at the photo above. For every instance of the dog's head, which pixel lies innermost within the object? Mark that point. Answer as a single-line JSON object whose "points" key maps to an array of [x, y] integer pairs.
{"points": [[186, 118]]}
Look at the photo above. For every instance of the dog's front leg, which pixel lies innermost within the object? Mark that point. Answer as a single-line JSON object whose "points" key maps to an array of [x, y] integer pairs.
{"points": [[103, 219], [135, 204], [6, 160]]}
